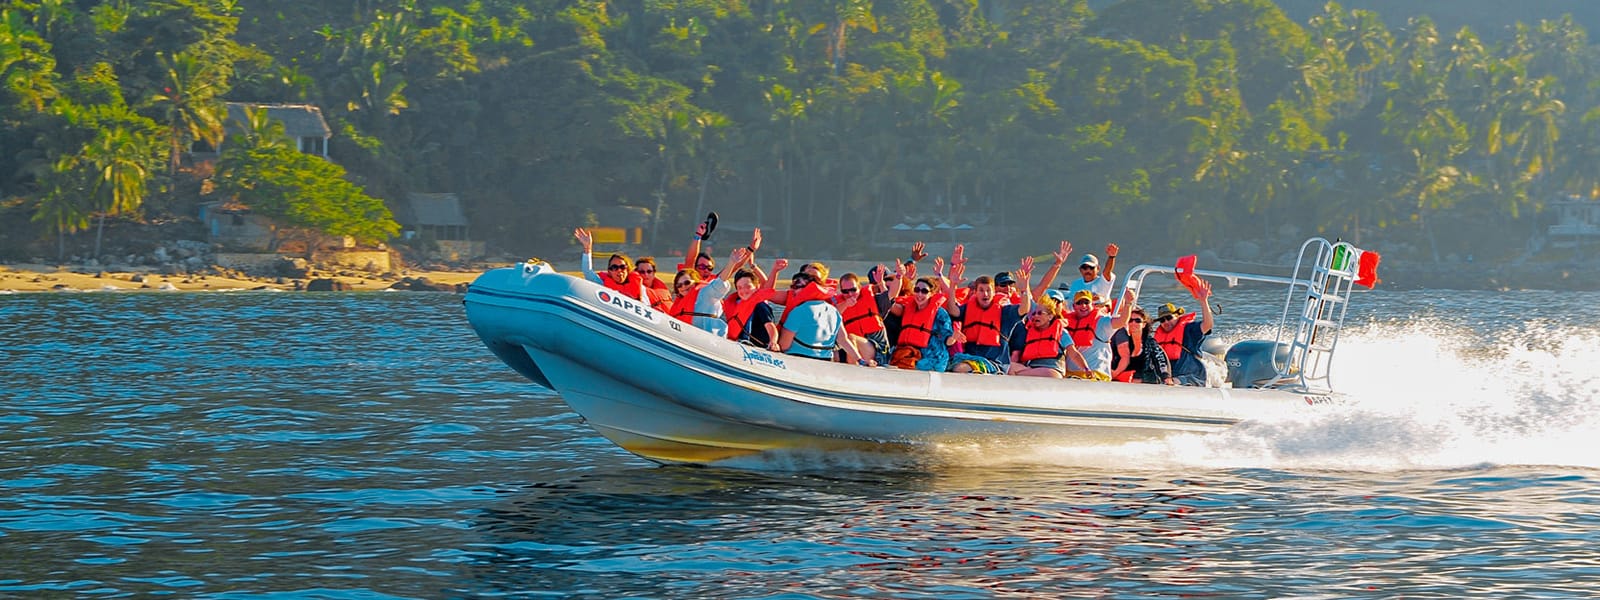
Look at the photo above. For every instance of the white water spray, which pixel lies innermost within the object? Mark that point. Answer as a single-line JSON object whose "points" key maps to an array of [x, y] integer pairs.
{"points": [[1420, 398]]}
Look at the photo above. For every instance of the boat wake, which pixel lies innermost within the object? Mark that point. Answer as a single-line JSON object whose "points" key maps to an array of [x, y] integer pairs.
{"points": [[1420, 399]]}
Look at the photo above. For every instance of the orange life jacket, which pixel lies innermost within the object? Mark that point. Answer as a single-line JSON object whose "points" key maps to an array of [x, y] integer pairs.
{"points": [[683, 308], [738, 312], [862, 318], [1082, 328], [1171, 342], [1043, 343], [916, 325], [660, 298], [811, 291], [633, 287], [981, 325]]}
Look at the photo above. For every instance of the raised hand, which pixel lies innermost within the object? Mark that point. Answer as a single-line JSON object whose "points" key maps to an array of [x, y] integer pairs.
{"points": [[584, 238], [738, 256], [917, 253], [755, 240], [1111, 250], [938, 266], [700, 230], [1025, 268], [1064, 253], [959, 257], [779, 265], [1201, 290]]}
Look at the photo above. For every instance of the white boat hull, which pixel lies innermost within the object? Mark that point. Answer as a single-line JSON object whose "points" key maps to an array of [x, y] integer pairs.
{"points": [[672, 393]]}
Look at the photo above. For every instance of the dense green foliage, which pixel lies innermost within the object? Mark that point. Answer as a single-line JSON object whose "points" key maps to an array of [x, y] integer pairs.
{"points": [[1175, 123]]}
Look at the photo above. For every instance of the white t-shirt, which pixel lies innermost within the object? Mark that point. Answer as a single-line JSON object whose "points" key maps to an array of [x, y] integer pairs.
{"points": [[1100, 286], [709, 302], [1098, 354]]}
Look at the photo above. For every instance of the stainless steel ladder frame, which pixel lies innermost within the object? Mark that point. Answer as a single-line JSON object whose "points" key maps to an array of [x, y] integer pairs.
{"points": [[1317, 324]]}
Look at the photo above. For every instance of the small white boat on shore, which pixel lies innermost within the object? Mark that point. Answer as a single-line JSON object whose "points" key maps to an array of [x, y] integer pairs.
{"points": [[669, 392]]}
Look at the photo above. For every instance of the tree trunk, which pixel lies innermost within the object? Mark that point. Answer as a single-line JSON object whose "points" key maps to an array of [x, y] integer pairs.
{"points": [[99, 232]]}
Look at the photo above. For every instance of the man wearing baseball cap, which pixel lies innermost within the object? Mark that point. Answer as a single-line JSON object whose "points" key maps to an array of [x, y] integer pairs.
{"points": [[1097, 280]]}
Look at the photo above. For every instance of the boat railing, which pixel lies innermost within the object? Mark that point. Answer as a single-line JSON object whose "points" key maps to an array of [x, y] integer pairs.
{"points": [[1319, 286]]}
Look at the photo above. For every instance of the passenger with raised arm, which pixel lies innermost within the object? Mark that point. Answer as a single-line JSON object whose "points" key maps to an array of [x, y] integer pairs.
{"points": [[699, 302], [1180, 336], [747, 311], [619, 275], [1043, 348], [815, 288], [982, 321], [1091, 330], [863, 319], [1135, 355], [924, 326]]}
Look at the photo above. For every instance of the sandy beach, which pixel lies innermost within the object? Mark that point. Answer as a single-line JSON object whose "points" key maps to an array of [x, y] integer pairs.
{"points": [[49, 278]]}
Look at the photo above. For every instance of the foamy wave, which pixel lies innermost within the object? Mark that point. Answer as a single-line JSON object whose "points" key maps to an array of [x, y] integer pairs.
{"points": [[1421, 397]]}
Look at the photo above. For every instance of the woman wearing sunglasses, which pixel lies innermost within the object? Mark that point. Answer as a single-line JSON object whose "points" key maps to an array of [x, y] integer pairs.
{"points": [[699, 302], [1135, 354], [619, 275], [1044, 350], [925, 330]]}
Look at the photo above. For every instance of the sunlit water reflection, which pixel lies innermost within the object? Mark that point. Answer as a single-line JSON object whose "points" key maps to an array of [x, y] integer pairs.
{"points": [[366, 445]]}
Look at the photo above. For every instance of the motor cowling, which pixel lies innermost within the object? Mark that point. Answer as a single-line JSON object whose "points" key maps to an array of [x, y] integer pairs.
{"points": [[1253, 363]]}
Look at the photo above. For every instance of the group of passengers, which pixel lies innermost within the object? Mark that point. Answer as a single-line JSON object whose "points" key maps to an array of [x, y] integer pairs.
{"points": [[894, 318]]}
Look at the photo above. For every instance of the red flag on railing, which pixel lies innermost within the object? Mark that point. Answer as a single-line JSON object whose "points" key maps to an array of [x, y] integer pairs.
{"points": [[1184, 271], [1367, 269]]}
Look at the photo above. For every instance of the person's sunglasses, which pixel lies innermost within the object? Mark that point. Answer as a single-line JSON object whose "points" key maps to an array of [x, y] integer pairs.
{"points": [[923, 290], [1163, 319], [647, 271], [682, 284], [1081, 302], [1140, 321], [617, 268], [703, 266], [848, 290], [1085, 268]]}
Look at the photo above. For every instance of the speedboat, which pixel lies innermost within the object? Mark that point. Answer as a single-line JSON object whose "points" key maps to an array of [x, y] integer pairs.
{"points": [[672, 393]]}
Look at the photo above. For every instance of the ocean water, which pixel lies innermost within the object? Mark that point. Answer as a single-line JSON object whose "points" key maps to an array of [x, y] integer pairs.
{"points": [[365, 445]]}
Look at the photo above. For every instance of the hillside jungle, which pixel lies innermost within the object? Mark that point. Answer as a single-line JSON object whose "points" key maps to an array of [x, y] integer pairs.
{"points": [[1170, 124]]}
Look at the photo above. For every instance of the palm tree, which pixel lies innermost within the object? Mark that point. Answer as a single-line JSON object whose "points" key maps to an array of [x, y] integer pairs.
{"points": [[27, 70], [119, 175], [192, 111]]}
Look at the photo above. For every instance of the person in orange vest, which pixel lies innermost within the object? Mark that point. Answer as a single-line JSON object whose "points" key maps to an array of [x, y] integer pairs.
{"points": [[749, 315], [619, 276], [983, 320], [699, 302], [1091, 330], [1043, 349], [1179, 335], [660, 294], [863, 318], [924, 325]]}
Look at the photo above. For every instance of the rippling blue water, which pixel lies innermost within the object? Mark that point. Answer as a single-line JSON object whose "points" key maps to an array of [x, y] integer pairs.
{"points": [[365, 445]]}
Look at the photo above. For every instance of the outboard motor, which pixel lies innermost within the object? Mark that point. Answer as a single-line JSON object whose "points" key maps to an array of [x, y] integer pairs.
{"points": [[1250, 362]]}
